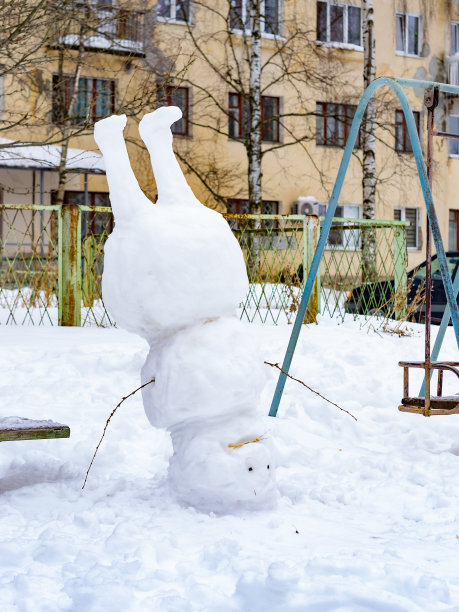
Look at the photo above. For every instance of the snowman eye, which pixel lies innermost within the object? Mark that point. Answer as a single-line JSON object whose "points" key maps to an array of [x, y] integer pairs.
{"points": [[267, 467], [250, 469]]}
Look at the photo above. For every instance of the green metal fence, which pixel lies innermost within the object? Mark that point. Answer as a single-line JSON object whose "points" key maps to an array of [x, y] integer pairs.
{"points": [[344, 267], [276, 250], [52, 264], [29, 265]]}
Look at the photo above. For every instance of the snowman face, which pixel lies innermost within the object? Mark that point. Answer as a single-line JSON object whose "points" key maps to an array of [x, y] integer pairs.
{"points": [[214, 477]]}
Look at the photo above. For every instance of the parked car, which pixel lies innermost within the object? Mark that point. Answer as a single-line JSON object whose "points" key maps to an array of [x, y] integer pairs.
{"points": [[379, 296]]}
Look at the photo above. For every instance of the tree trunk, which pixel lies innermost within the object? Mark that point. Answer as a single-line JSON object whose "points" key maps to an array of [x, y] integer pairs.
{"points": [[253, 135], [253, 141], [368, 146]]}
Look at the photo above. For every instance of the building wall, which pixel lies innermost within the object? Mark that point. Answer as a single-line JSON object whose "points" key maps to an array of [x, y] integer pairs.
{"points": [[298, 170]]}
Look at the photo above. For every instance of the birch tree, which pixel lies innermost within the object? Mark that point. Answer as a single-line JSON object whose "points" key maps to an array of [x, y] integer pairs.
{"points": [[368, 144], [253, 137]]}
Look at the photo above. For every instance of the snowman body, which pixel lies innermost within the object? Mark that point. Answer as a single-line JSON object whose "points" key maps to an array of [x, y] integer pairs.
{"points": [[174, 274]]}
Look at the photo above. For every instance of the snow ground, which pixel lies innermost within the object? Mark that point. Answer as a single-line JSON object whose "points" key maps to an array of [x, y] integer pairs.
{"points": [[369, 513]]}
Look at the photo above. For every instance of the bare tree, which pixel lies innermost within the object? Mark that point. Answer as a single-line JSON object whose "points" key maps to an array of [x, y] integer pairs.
{"points": [[238, 65]]}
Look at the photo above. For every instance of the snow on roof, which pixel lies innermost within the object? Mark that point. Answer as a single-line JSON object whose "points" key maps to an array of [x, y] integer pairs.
{"points": [[47, 157]]}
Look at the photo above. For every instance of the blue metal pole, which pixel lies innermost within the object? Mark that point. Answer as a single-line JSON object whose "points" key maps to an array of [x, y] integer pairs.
{"points": [[428, 199], [441, 332], [395, 84]]}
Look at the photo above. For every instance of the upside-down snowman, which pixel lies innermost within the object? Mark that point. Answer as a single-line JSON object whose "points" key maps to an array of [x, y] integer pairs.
{"points": [[174, 273]]}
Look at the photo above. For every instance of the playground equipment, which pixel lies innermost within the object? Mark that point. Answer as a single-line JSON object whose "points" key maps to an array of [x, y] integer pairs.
{"points": [[426, 405]]}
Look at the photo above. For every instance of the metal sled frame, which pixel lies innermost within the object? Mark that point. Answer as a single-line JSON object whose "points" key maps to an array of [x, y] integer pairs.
{"points": [[397, 85]]}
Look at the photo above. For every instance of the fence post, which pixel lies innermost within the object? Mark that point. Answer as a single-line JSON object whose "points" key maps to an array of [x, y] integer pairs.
{"points": [[70, 265], [310, 239], [89, 272], [400, 271]]}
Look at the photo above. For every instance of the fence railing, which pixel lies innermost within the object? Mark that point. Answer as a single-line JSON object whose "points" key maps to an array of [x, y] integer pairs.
{"points": [[52, 262]]}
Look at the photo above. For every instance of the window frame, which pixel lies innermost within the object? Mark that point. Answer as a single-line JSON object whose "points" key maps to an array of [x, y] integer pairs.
{"points": [[453, 213], [91, 117], [420, 18], [245, 19], [166, 100], [241, 119], [454, 23], [402, 210], [453, 142], [344, 44], [406, 136], [347, 125], [173, 14]]}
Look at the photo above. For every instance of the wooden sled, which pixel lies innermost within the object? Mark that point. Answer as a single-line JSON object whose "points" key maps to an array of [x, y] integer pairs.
{"points": [[429, 405]]}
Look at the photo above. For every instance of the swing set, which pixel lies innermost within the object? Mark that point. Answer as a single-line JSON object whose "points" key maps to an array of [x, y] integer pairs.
{"points": [[426, 403]]}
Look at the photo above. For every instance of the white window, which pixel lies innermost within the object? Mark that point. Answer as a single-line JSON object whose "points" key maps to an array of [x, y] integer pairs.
{"points": [[339, 23], [454, 37], [453, 143], [176, 10], [413, 230], [270, 16], [408, 33], [345, 238]]}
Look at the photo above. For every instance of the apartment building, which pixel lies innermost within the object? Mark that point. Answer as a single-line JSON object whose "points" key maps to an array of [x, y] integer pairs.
{"points": [[192, 54]]}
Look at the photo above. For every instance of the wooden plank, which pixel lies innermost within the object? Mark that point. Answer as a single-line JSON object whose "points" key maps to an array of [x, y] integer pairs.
{"points": [[448, 402], [34, 433], [432, 411]]}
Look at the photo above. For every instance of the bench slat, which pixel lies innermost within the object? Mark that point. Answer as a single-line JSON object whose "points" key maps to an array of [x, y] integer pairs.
{"points": [[18, 428], [34, 433]]}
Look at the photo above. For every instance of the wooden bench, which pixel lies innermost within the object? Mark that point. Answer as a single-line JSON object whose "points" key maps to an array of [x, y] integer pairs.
{"points": [[17, 428]]}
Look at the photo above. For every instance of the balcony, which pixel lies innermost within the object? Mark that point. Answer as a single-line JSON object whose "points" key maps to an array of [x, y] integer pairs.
{"points": [[108, 29]]}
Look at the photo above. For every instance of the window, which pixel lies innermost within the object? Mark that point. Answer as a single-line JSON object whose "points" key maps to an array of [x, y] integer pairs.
{"points": [[239, 16], [435, 271], [333, 124], [454, 37], [413, 230], [339, 23], [177, 96], [236, 206], [177, 10], [453, 230], [453, 143], [345, 238], [408, 33], [238, 117], [92, 222], [95, 99], [402, 138]]}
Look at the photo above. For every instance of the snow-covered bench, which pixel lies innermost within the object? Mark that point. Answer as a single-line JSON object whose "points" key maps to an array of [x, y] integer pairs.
{"points": [[17, 428]]}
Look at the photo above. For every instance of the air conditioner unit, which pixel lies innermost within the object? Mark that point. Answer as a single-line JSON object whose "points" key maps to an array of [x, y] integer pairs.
{"points": [[308, 205]]}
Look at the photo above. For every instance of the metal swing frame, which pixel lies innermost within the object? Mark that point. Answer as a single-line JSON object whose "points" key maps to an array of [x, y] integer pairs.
{"points": [[425, 177]]}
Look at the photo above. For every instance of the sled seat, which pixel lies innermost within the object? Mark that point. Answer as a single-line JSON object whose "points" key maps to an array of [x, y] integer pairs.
{"points": [[18, 428], [438, 404], [448, 404]]}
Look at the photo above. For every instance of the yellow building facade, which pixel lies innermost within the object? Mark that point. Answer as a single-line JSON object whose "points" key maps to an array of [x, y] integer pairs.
{"points": [[192, 53]]}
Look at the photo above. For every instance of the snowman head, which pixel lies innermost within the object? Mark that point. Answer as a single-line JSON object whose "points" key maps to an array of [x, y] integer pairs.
{"points": [[214, 473]]}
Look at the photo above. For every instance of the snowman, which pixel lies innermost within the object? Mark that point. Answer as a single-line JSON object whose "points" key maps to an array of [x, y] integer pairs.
{"points": [[174, 274]]}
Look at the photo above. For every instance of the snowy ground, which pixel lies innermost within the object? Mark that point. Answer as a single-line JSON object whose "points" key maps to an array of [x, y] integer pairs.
{"points": [[369, 513]]}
